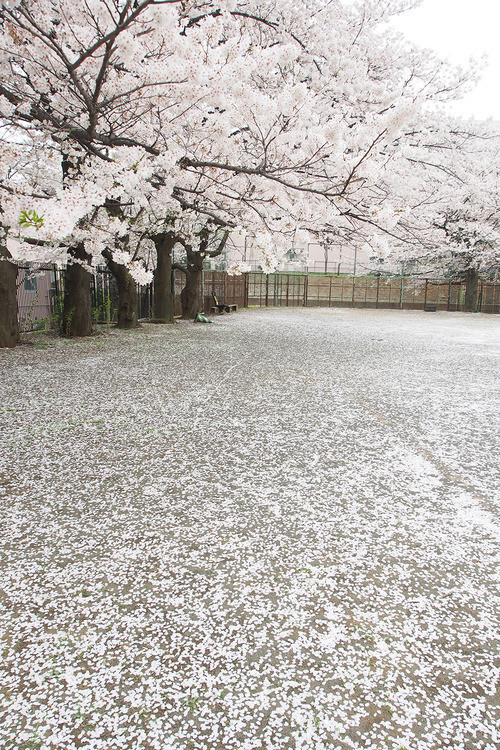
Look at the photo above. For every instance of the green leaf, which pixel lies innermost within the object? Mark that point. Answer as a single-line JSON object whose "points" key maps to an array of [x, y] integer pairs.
{"points": [[30, 218]]}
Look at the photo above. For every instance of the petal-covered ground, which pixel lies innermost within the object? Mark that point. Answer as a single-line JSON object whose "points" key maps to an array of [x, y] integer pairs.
{"points": [[277, 531]]}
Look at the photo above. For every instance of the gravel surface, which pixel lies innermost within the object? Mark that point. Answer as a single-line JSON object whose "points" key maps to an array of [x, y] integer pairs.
{"points": [[277, 531]]}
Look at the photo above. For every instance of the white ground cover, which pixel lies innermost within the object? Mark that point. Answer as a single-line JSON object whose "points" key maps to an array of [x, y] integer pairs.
{"points": [[277, 531]]}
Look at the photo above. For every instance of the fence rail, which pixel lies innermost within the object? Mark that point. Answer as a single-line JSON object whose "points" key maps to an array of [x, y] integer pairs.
{"points": [[320, 290], [40, 293]]}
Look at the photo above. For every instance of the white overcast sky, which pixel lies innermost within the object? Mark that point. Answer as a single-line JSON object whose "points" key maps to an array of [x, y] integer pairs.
{"points": [[458, 30]]}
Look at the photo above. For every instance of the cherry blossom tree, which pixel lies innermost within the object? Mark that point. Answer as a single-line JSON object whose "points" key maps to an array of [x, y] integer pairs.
{"points": [[21, 165], [468, 213], [449, 203], [274, 116]]}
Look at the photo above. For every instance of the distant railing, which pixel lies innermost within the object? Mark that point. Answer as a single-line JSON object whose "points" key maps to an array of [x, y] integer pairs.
{"points": [[323, 290]]}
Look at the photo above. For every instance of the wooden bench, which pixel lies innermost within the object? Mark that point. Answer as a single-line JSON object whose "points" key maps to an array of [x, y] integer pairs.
{"points": [[232, 308], [221, 307]]}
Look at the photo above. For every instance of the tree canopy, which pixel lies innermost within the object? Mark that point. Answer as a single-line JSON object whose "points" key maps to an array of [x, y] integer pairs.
{"points": [[292, 120]]}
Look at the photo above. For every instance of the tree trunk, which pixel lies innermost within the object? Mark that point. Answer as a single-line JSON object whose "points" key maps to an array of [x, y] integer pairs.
{"points": [[77, 308], [471, 289], [190, 295], [9, 325], [127, 293], [163, 296]]}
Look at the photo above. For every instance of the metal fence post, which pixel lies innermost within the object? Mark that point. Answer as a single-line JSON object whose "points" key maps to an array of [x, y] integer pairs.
{"points": [[246, 277]]}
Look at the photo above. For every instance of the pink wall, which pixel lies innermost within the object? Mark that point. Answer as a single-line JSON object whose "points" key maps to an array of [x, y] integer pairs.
{"points": [[33, 294]]}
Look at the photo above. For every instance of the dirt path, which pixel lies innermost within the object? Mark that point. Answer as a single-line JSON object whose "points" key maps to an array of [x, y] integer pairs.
{"points": [[278, 531]]}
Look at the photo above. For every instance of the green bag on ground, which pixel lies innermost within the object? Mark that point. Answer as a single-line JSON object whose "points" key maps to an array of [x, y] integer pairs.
{"points": [[200, 318]]}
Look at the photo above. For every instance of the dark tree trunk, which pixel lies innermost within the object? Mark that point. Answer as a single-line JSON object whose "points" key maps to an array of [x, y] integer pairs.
{"points": [[9, 325], [190, 295], [77, 305], [77, 308], [163, 297], [471, 289], [127, 293]]}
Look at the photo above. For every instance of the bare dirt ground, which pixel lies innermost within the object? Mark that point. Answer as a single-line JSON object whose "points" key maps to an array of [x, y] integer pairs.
{"points": [[277, 531]]}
